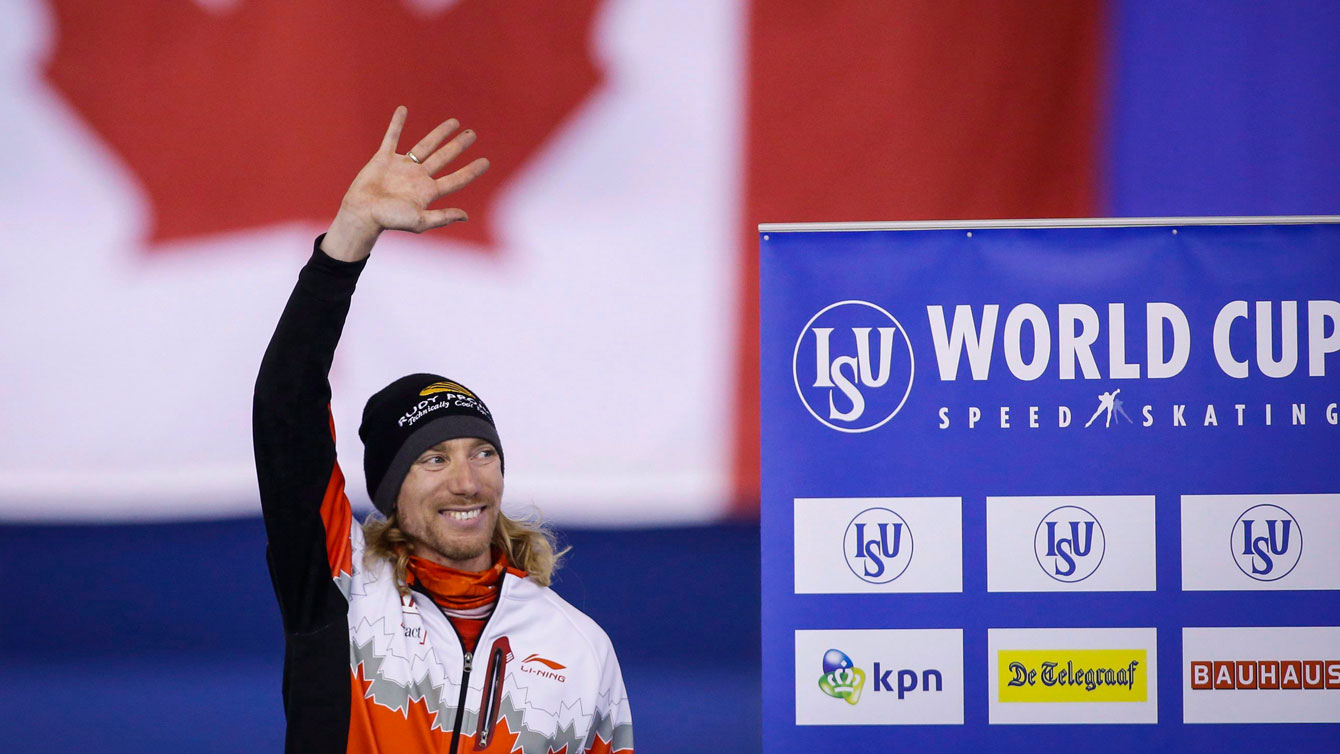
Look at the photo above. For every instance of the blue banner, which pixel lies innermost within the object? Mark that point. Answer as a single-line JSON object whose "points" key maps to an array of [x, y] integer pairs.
{"points": [[1019, 482]]}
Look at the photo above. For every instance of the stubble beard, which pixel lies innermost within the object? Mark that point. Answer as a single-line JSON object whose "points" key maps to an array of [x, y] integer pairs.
{"points": [[426, 535]]}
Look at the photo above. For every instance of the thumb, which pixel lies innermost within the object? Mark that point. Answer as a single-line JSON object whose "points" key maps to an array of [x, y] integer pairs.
{"points": [[436, 218]]}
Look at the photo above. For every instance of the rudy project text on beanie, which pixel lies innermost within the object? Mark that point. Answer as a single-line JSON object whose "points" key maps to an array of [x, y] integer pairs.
{"points": [[409, 416]]}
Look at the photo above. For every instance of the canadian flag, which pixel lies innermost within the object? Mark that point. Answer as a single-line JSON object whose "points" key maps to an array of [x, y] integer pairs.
{"points": [[168, 162]]}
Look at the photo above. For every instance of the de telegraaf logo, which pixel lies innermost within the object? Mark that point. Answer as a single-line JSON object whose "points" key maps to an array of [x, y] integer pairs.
{"points": [[1069, 543], [1266, 542], [877, 545], [853, 366]]}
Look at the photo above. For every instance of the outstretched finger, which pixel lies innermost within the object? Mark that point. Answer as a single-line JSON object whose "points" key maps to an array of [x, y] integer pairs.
{"points": [[442, 157], [429, 143], [436, 218], [392, 137], [461, 178]]}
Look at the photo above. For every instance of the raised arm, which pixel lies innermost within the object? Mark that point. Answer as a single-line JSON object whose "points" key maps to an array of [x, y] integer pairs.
{"points": [[306, 513]]}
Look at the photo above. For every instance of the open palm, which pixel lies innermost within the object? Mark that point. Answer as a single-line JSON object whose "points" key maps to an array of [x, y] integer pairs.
{"points": [[394, 191]]}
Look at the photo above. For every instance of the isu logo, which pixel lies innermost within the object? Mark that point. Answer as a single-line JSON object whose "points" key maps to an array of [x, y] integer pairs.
{"points": [[853, 366], [1267, 542], [1069, 544], [544, 668], [878, 545], [1237, 675]]}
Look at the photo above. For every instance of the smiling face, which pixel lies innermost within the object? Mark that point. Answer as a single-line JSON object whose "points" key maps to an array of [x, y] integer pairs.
{"points": [[448, 503]]}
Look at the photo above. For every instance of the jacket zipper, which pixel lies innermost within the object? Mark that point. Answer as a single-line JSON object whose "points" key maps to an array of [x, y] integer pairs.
{"points": [[460, 703], [469, 657], [491, 702]]}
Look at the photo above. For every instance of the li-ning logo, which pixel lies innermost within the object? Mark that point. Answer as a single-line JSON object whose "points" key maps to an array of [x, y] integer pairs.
{"points": [[1069, 544], [877, 545], [536, 665], [845, 380], [1266, 542]]}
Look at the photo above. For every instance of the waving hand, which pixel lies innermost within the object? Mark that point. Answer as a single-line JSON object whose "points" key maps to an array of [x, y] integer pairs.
{"points": [[393, 191]]}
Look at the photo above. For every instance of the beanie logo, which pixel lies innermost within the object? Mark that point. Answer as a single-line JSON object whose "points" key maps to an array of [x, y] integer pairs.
{"points": [[446, 386], [449, 400]]}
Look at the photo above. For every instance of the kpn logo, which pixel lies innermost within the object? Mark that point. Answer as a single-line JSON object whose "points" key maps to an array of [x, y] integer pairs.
{"points": [[841, 679], [853, 366], [1267, 542]]}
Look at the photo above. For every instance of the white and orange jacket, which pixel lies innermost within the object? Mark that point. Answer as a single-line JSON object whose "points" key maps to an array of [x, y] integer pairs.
{"points": [[366, 670]]}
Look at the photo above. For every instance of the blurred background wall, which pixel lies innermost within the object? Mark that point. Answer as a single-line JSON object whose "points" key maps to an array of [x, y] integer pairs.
{"points": [[166, 164]]}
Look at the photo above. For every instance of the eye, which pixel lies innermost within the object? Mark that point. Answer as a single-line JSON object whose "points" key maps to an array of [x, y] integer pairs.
{"points": [[433, 460]]}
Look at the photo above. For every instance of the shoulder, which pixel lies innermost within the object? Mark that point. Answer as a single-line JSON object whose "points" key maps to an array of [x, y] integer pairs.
{"points": [[547, 606]]}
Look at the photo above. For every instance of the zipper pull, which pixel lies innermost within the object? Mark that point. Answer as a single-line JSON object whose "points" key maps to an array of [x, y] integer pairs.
{"points": [[468, 657]]}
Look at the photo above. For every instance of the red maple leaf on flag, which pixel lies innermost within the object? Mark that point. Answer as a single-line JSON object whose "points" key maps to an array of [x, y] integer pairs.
{"points": [[263, 112]]}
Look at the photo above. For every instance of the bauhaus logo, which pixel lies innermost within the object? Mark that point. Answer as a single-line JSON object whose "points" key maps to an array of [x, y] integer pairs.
{"points": [[1069, 544], [1242, 675], [878, 545], [1267, 542], [1275, 674], [853, 366]]}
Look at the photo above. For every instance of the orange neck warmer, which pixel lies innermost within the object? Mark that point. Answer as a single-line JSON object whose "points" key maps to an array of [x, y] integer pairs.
{"points": [[463, 593]]}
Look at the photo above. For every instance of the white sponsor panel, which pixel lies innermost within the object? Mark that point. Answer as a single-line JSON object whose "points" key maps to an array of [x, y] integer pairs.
{"points": [[1059, 671], [1070, 544], [878, 544], [1261, 675], [1238, 542], [879, 677]]}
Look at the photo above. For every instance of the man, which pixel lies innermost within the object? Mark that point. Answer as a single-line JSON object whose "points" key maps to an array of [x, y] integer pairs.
{"points": [[430, 628]]}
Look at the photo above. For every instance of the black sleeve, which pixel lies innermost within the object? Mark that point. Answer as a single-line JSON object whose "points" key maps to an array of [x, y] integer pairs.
{"points": [[295, 446]]}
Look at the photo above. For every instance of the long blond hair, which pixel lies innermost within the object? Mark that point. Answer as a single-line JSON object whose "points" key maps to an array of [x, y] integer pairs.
{"points": [[530, 545]]}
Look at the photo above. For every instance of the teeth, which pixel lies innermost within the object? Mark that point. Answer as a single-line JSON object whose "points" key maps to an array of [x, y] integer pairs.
{"points": [[464, 515]]}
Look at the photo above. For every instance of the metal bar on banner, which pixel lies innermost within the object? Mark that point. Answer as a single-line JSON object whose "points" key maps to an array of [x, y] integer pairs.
{"points": [[1056, 222]]}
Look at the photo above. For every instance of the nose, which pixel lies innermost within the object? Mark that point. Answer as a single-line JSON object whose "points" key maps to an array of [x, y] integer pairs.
{"points": [[463, 480]]}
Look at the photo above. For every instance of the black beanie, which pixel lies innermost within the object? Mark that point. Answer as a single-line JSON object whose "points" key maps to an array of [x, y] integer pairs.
{"points": [[409, 416]]}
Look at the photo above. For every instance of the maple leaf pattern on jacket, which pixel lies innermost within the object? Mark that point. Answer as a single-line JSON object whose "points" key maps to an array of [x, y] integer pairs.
{"points": [[262, 112]]}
